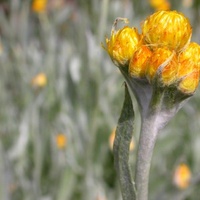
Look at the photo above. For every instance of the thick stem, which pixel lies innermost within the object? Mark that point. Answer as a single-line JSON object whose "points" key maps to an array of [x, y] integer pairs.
{"points": [[155, 119], [149, 132]]}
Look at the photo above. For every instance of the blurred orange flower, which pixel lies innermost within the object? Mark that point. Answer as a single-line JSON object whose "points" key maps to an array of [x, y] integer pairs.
{"points": [[61, 140], [39, 81], [182, 176], [160, 4], [39, 6], [112, 138]]}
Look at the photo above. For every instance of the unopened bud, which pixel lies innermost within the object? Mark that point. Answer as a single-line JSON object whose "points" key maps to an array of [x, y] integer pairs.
{"points": [[188, 68], [163, 62], [138, 62], [122, 44], [167, 28]]}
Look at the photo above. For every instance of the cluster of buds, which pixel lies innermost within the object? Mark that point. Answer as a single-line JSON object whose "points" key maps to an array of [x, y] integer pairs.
{"points": [[162, 53]]}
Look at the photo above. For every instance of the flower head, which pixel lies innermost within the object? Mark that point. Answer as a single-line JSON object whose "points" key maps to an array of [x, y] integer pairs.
{"points": [[167, 28], [122, 44], [182, 176], [162, 61], [188, 68], [138, 62]]}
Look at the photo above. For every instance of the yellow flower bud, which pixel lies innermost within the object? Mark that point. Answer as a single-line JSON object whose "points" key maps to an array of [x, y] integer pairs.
{"points": [[191, 54], [190, 83], [165, 61], [122, 44], [138, 62], [182, 176], [188, 68], [167, 28]]}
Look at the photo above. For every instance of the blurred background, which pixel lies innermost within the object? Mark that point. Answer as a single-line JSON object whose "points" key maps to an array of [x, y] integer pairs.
{"points": [[61, 96]]}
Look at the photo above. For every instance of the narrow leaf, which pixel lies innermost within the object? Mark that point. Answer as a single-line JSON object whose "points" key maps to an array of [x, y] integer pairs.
{"points": [[122, 141]]}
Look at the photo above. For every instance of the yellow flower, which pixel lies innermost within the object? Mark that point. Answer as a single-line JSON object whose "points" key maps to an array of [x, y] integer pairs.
{"points": [[188, 68], [39, 6], [162, 61], [112, 138], [138, 62], [122, 44], [182, 176], [167, 28], [61, 140], [160, 4], [39, 81]]}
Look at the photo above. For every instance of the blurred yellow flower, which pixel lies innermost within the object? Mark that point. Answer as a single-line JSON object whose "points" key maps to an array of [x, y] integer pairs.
{"points": [[39, 6], [122, 43], [167, 28], [160, 4], [162, 61], [61, 140], [112, 138], [39, 81], [182, 176], [138, 62]]}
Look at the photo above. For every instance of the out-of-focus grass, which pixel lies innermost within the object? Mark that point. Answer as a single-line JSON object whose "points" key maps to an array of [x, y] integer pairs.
{"points": [[82, 99]]}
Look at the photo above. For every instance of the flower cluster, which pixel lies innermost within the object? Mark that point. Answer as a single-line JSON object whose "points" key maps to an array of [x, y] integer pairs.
{"points": [[162, 52]]}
